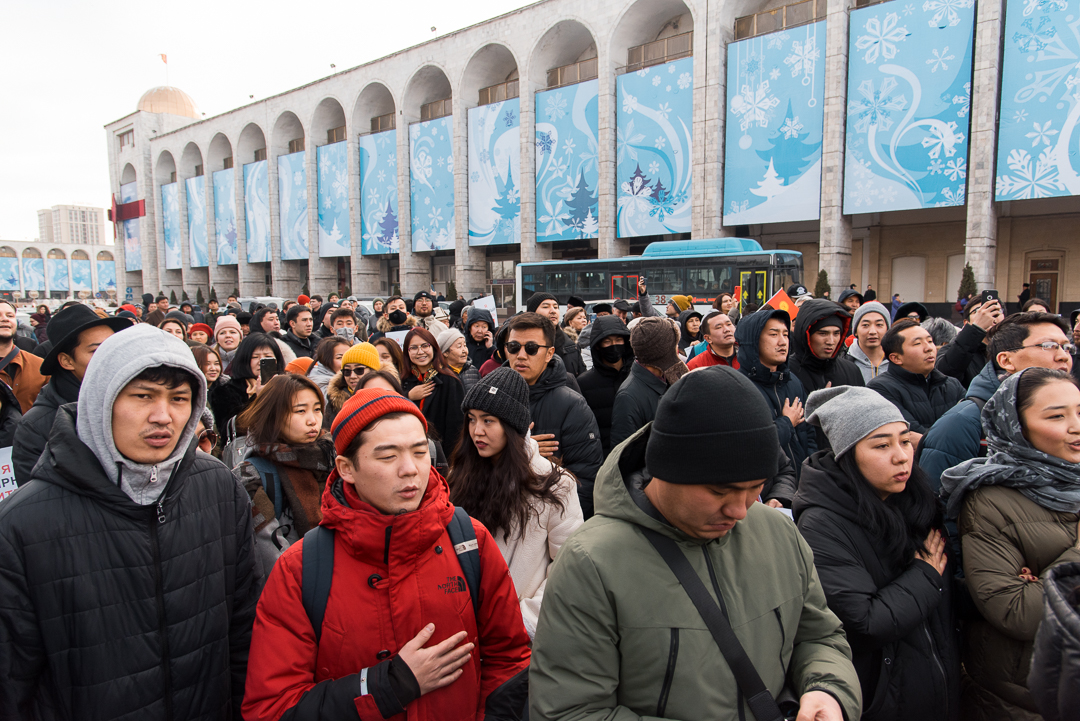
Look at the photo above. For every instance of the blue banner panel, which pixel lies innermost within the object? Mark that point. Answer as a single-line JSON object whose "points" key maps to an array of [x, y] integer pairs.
{"points": [[776, 110], [33, 273], [378, 194], [170, 225], [431, 182], [106, 275], [567, 173], [257, 211], [58, 273], [909, 94], [132, 244], [495, 173], [333, 175], [654, 125], [225, 216], [9, 274], [80, 275], [1040, 101], [198, 249], [292, 206]]}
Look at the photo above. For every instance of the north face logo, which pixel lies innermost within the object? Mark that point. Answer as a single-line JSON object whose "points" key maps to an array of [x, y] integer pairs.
{"points": [[454, 584]]}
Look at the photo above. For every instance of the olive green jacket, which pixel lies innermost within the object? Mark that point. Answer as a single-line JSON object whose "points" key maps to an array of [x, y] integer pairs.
{"points": [[618, 638]]}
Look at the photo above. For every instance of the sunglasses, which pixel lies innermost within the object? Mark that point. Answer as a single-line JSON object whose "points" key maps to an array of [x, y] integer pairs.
{"points": [[532, 347], [208, 436], [350, 371]]}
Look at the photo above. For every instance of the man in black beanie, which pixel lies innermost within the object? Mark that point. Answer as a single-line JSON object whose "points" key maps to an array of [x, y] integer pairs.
{"points": [[617, 631], [547, 305]]}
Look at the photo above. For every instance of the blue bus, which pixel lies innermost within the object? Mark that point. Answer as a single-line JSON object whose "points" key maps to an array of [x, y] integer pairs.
{"points": [[702, 269]]}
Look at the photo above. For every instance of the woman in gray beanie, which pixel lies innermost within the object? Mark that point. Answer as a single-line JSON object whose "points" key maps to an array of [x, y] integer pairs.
{"points": [[498, 476], [875, 527]]}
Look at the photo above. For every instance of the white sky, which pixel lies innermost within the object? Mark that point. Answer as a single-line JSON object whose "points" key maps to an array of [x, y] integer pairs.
{"points": [[71, 67]]}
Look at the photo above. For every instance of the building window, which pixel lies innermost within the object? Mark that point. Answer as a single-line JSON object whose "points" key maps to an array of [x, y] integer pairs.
{"points": [[498, 93], [104, 255], [172, 177], [335, 135], [573, 73], [260, 154], [226, 164], [295, 146], [127, 139], [198, 170], [436, 109], [383, 122], [659, 52]]}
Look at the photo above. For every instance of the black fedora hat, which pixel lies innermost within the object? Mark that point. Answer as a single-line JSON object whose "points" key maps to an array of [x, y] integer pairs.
{"points": [[64, 329]]}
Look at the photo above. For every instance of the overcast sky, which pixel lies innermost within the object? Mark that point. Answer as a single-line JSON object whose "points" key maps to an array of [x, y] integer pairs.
{"points": [[71, 67]]}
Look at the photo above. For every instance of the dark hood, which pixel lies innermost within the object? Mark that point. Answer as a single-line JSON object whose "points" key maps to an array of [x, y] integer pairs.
{"points": [[823, 483], [684, 335], [747, 334], [912, 307], [606, 326], [811, 313], [845, 295], [475, 316]]}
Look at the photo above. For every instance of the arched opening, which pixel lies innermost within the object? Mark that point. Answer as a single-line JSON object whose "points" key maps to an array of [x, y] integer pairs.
{"points": [[427, 95], [31, 253], [564, 55], [288, 135], [7, 252], [128, 174], [252, 145], [490, 77], [288, 147], [332, 173], [10, 283], [374, 118], [191, 162], [56, 268], [374, 110], [220, 155], [33, 272], [57, 254], [104, 255], [652, 32], [81, 276], [79, 255], [165, 169], [328, 123]]}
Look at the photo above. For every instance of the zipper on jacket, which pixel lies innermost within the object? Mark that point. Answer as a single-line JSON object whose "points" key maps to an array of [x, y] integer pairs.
{"points": [[386, 550], [159, 593], [937, 663], [669, 674]]}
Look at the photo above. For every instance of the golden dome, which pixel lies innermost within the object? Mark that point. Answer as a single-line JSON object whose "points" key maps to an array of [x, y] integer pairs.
{"points": [[166, 99]]}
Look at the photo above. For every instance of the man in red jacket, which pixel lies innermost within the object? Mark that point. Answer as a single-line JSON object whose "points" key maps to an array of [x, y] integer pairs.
{"points": [[399, 631]]}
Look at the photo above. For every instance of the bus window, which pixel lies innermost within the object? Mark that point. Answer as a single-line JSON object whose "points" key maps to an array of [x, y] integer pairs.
{"points": [[531, 282], [788, 271], [591, 285], [666, 281], [708, 282], [624, 286], [559, 283]]}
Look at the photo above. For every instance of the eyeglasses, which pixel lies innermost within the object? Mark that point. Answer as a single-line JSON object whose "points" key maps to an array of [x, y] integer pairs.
{"points": [[417, 348], [350, 371], [513, 347], [208, 436], [1050, 345]]}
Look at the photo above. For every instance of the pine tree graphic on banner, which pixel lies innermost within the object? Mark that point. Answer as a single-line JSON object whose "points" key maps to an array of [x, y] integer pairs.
{"points": [[790, 154], [771, 185], [507, 205], [388, 228], [581, 204]]}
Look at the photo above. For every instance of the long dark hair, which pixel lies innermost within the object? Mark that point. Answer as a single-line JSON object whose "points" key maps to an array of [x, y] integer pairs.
{"points": [[902, 521], [241, 362], [265, 419], [394, 350], [499, 492], [438, 360]]}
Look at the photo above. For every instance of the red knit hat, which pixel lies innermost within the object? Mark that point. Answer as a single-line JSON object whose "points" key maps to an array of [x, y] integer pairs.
{"points": [[303, 299], [129, 308], [203, 327], [363, 409]]}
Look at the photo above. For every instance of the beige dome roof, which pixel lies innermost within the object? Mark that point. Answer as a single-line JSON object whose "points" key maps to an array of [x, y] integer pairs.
{"points": [[165, 99]]}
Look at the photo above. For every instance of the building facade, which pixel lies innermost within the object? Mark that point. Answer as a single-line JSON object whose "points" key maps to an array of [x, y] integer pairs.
{"points": [[72, 224], [56, 271], [868, 138]]}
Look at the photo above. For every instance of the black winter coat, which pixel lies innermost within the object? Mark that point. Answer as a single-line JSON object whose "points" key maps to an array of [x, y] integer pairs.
{"points": [[33, 430], [569, 352], [302, 347], [10, 416], [635, 403], [114, 610], [228, 400], [1055, 666], [443, 407], [920, 400], [965, 357], [479, 353], [899, 620], [600, 384]]}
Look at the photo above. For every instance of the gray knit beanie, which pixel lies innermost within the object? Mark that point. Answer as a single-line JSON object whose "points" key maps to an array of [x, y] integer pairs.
{"points": [[504, 394], [447, 338], [848, 414], [871, 307], [656, 343]]}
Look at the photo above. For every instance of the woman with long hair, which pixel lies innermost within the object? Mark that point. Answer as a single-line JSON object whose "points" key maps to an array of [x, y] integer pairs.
{"points": [[390, 352], [210, 364], [876, 531], [727, 304], [431, 383], [286, 469], [229, 399], [327, 360], [1018, 510], [174, 327], [358, 360], [497, 474]]}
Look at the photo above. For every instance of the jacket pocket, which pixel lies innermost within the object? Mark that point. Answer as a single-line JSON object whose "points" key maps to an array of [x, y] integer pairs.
{"points": [[669, 674]]}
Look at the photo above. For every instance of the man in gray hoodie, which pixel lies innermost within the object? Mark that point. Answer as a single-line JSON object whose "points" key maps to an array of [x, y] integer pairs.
{"points": [[129, 585]]}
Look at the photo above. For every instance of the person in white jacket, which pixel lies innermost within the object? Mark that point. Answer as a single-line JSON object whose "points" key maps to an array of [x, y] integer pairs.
{"points": [[497, 474]]}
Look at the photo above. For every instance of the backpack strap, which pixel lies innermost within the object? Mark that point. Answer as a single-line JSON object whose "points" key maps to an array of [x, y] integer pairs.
{"points": [[316, 575], [467, 548], [267, 470]]}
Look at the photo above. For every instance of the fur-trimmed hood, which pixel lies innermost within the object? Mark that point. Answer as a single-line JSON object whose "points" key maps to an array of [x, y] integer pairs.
{"points": [[384, 326]]}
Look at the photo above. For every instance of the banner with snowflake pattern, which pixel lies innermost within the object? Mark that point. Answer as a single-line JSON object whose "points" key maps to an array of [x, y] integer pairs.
{"points": [[431, 183], [654, 137], [132, 243], [1040, 101], [225, 216], [257, 211], [495, 173], [776, 110], [80, 274], [9, 274], [57, 269], [292, 205], [567, 173], [198, 250], [378, 194], [333, 174], [33, 273], [170, 225], [106, 275], [909, 97]]}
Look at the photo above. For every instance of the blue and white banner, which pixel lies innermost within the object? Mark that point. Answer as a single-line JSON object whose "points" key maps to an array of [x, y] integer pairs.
{"points": [[257, 211], [1040, 101], [198, 250], [225, 216], [333, 174], [170, 225], [567, 172], [292, 206], [106, 275], [33, 273], [80, 275], [58, 273], [9, 274], [378, 194], [775, 114], [431, 183], [495, 173], [654, 127], [132, 244], [909, 99]]}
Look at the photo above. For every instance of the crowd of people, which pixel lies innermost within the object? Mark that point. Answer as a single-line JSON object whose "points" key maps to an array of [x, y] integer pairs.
{"points": [[582, 511]]}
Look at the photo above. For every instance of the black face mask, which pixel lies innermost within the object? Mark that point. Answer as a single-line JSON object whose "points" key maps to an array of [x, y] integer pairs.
{"points": [[611, 353], [398, 317]]}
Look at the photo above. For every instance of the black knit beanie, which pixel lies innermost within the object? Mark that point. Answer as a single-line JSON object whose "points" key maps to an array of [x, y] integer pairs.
{"points": [[712, 427], [504, 394], [536, 299]]}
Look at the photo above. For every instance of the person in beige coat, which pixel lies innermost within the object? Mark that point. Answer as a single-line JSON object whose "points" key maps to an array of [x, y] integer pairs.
{"points": [[498, 476]]}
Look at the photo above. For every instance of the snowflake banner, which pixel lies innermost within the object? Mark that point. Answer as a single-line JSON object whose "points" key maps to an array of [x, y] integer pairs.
{"points": [[495, 174], [132, 243], [292, 205], [909, 101], [257, 211], [225, 216], [198, 250], [33, 273], [654, 129], [9, 274], [567, 172], [170, 225], [431, 181], [335, 234], [775, 114], [106, 275], [80, 275], [1040, 101], [58, 273], [378, 194]]}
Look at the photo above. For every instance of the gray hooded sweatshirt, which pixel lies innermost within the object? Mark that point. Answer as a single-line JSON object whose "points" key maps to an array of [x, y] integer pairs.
{"points": [[116, 362]]}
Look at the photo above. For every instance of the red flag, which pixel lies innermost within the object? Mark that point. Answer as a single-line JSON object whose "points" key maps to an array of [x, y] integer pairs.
{"points": [[164, 58], [782, 301]]}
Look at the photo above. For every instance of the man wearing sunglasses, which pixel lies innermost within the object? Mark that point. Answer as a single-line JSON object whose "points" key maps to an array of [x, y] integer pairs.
{"points": [[563, 423]]}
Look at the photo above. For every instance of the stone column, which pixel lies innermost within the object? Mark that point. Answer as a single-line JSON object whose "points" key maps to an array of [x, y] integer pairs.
{"points": [[608, 244], [835, 246], [470, 263], [710, 83]]}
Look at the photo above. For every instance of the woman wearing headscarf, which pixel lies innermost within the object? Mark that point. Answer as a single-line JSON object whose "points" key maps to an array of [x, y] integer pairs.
{"points": [[1018, 510], [689, 329]]}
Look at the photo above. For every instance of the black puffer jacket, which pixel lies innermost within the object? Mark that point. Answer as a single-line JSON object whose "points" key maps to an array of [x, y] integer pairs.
{"points": [[302, 347], [443, 407], [1055, 668], [600, 384], [965, 357], [479, 353], [567, 349], [33, 430], [899, 620], [10, 416], [114, 610], [921, 400], [635, 403]]}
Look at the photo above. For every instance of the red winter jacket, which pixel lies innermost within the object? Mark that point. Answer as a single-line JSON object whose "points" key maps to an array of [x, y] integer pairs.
{"points": [[392, 576]]}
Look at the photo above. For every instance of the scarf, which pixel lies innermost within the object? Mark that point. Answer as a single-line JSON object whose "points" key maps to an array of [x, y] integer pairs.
{"points": [[1011, 461], [303, 470]]}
